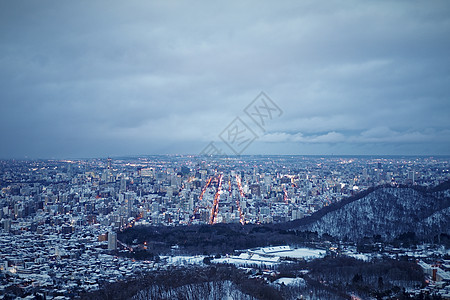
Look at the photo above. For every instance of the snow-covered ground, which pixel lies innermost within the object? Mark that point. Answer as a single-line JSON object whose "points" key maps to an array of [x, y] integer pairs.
{"points": [[359, 256], [235, 260], [269, 250], [225, 290], [183, 260], [290, 281], [304, 253], [287, 252], [270, 256]]}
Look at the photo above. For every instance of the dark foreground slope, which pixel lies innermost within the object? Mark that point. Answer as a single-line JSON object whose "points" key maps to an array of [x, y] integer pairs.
{"points": [[386, 212]]}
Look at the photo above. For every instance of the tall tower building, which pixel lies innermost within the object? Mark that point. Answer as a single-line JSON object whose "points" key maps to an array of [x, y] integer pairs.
{"points": [[107, 175], [191, 203], [129, 199], [123, 184], [7, 225], [412, 176], [112, 241]]}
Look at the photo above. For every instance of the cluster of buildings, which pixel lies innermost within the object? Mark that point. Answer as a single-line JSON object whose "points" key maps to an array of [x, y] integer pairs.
{"points": [[59, 218], [182, 190], [431, 258], [61, 265], [439, 273]]}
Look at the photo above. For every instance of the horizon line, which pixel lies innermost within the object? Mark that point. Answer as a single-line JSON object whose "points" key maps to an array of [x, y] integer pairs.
{"points": [[223, 156]]}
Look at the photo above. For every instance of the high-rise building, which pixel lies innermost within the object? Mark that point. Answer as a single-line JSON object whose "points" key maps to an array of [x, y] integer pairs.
{"points": [[155, 207], [412, 176], [123, 184], [112, 241], [129, 199], [255, 189], [267, 179], [7, 225], [191, 203]]}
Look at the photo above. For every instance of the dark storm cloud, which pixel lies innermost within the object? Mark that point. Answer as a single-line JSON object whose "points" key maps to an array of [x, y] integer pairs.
{"points": [[96, 78]]}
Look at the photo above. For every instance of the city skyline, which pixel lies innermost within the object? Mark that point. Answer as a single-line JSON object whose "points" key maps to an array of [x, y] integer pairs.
{"points": [[85, 79]]}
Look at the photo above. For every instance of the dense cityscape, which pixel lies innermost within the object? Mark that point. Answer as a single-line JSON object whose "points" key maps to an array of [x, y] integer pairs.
{"points": [[225, 150], [183, 190], [60, 218]]}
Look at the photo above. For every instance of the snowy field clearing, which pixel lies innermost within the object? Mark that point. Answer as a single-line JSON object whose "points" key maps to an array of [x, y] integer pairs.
{"points": [[290, 281], [287, 252], [183, 260], [304, 253], [270, 256], [235, 260]]}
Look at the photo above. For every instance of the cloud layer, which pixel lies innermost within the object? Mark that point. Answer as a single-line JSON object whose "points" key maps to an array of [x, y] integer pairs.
{"points": [[91, 78]]}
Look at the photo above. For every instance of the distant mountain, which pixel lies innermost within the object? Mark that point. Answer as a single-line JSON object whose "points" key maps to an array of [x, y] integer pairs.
{"points": [[385, 211]]}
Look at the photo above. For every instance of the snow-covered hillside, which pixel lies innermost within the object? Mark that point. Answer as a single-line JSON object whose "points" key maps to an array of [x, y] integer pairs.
{"points": [[388, 212]]}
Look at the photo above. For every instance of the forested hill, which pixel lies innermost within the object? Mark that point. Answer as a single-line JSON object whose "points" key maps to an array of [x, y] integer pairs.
{"points": [[385, 211]]}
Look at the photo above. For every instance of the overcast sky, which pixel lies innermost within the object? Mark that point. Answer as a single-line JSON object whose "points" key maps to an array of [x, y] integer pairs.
{"points": [[106, 78]]}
